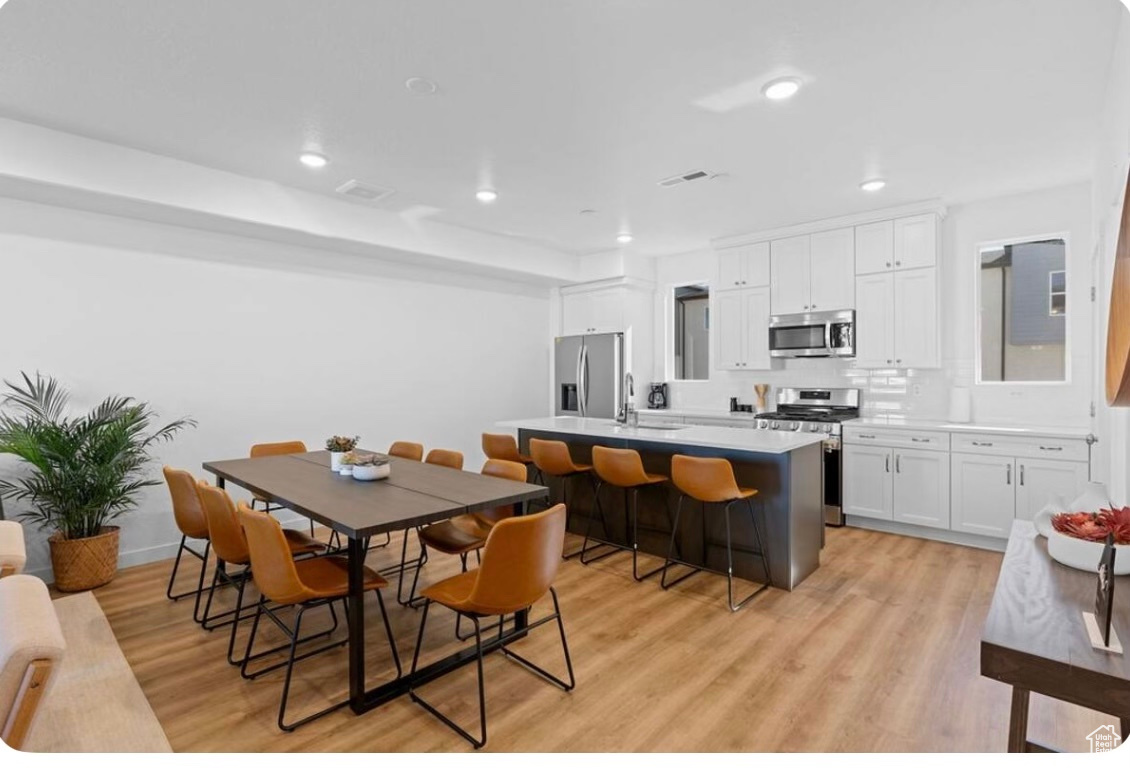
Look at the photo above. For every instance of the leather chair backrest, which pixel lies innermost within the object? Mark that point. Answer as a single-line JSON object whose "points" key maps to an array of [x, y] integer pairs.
{"points": [[618, 466], [277, 449], [228, 540], [445, 458], [501, 447], [520, 561], [272, 565], [406, 450], [709, 480], [187, 512], [552, 457]]}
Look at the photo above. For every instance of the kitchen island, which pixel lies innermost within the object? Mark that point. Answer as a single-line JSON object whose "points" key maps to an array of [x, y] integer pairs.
{"points": [[785, 468]]}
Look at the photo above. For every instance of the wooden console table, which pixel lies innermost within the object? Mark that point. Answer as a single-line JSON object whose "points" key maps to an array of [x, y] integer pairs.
{"points": [[1034, 639]]}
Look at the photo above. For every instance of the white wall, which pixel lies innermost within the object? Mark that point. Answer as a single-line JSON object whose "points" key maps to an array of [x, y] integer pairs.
{"points": [[920, 392], [204, 325]]}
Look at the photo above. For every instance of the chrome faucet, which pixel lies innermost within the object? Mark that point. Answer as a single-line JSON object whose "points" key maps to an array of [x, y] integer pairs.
{"points": [[627, 412]]}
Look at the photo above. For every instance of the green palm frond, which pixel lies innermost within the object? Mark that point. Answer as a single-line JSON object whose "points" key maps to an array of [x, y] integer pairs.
{"points": [[83, 471]]}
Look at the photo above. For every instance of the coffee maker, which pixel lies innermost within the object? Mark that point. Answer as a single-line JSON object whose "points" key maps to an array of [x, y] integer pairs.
{"points": [[657, 395]]}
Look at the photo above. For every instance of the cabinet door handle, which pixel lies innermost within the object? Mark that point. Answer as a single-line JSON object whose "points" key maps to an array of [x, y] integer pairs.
{"points": [[1008, 474], [888, 462], [1022, 474], [898, 463], [889, 362], [1051, 447], [888, 263], [898, 263], [982, 445], [899, 360]]}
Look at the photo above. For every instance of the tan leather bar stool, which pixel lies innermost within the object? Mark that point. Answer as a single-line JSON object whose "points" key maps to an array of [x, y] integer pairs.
{"points": [[623, 468], [190, 520], [505, 448], [711, 481], [552, 459], [405, 450], [520, 562]]}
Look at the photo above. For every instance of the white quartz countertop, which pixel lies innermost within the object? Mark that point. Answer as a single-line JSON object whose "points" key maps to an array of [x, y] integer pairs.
{"points": [[727, 438], [659, 413], [1020, 430]]}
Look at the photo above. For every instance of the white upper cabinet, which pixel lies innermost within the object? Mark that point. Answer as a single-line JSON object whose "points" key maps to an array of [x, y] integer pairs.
{"points": [[741, 330], [789, 286], [916, 241], [832, 270], [598, 311], [745, 266], [915, 319], [906, 243], [896, 320], [874, 321], [874, 247]]}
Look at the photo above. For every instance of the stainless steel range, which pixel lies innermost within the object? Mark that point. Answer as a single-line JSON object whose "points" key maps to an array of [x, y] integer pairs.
{"points": [[818, 410]]}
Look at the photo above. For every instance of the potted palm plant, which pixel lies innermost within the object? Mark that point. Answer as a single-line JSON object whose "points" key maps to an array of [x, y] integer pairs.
{"points": [[84, 472]]}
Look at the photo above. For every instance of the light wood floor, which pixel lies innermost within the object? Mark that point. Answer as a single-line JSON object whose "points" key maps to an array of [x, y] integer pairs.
{"points": [[877, 651]]}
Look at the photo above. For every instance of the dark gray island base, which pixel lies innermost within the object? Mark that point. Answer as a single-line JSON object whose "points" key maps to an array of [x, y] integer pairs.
{"points": [[789, 491]]}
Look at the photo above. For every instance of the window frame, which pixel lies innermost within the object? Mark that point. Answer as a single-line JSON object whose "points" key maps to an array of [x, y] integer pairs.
{"points": [[986, 245], [1052, 293], [669, 329]]}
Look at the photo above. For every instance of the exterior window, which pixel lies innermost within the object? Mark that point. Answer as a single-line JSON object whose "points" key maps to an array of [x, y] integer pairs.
{"points": [[1022, 323]]}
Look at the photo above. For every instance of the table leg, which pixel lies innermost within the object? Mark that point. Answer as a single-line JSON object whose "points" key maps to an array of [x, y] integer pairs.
{"points": [[1018, 721], [521, 618], [221, 482], [356, 610]]}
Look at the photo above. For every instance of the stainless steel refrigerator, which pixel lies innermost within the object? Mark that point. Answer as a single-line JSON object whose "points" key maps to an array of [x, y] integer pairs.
{"points": [[589, 375]]}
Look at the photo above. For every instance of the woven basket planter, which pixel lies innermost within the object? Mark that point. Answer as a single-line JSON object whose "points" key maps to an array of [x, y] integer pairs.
{"points": [[81, 564]]}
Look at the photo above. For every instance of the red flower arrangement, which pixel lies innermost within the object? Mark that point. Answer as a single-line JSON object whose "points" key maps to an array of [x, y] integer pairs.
{"points": [[1095, 526]]}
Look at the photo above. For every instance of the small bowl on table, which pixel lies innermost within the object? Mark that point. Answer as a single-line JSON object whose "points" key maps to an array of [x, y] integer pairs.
{"points": [[376, 467]]}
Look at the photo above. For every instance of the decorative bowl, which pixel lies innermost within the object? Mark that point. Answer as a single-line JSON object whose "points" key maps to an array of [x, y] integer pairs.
{"points": [[369, 472], [1084, 555]]}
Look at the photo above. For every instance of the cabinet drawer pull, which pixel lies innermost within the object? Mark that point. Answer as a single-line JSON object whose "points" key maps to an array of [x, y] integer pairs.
{"points": [[1051, 447], [920, 439], [982, 445], [867, 437]]}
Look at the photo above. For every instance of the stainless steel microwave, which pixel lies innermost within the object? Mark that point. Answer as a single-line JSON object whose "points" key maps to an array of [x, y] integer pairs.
{"points": [[813, 334]]}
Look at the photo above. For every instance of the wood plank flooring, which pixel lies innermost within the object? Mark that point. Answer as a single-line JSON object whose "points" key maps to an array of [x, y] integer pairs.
{"points": [[877, 651]]}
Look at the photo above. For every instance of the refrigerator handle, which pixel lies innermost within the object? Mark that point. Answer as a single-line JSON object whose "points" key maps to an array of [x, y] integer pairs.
{"points": [[585, 380], [580, 381]]}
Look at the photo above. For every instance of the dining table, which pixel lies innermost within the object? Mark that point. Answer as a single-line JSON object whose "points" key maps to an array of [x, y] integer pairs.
{"points": [[414, 494]]}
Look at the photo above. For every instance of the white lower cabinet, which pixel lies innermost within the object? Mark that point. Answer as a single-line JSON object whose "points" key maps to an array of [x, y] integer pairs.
{"points": [[901, 484], [868, 489], [922, 488], [984, 497], [1037, 480]]}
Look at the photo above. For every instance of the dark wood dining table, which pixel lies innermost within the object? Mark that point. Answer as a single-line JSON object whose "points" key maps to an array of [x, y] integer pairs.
{"points": [[1034, 638], [414, 494]]}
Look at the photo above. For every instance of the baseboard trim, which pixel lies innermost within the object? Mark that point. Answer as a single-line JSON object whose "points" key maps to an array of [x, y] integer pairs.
{"points": [[144, 555], [933, 534]]}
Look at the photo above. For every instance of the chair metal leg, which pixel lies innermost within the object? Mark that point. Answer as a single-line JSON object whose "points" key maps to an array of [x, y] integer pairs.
{"points": [[200, 583], [671, 551], [482, 740], [181, 549], [760, 542], [565, 686], [730, 566], [635, 513], [418, 564], [599, 509]]}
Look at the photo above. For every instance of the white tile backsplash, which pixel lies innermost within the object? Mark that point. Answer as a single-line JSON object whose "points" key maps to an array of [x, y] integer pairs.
{"points": [[910, 392]]}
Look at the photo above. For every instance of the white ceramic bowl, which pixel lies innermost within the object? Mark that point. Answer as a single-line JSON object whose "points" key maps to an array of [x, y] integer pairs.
{"points": [[371, 471], [1085, 555]]}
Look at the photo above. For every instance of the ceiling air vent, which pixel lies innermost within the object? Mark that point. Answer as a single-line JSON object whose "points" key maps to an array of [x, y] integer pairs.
{"points": [[683, 178], [363, 192]]}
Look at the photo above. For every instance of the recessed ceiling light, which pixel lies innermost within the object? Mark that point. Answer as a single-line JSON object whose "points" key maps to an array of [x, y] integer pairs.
{"points": [[873, 185], [781, 88], [486, 195], [313, 160], [421, 86], [623, 238]]}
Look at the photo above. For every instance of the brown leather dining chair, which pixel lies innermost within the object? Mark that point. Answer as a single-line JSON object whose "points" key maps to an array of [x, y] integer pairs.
{"points": [[439, 457], [405, 450], [711, 481], [505, 448], [303, 584], [445, 458], [190, 520], [284, 448], [464, 534], [520, 561], [229, 544]]}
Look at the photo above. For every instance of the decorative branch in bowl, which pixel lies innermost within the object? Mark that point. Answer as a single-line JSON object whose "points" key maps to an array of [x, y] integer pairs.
{"points": [[368, 466]]}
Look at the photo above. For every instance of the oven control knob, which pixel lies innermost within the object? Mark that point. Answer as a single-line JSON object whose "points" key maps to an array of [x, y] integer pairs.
{"points": [[795, 426], [828, 428], [814, 427], [775, 425]]}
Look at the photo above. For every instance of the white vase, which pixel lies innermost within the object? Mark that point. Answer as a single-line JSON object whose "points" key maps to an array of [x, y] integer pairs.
{"points": [[1093, 498], [335, 460], [1043, 518]]}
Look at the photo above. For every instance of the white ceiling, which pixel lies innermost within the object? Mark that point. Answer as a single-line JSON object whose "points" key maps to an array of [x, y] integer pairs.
{"points": [[577, 104]]}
